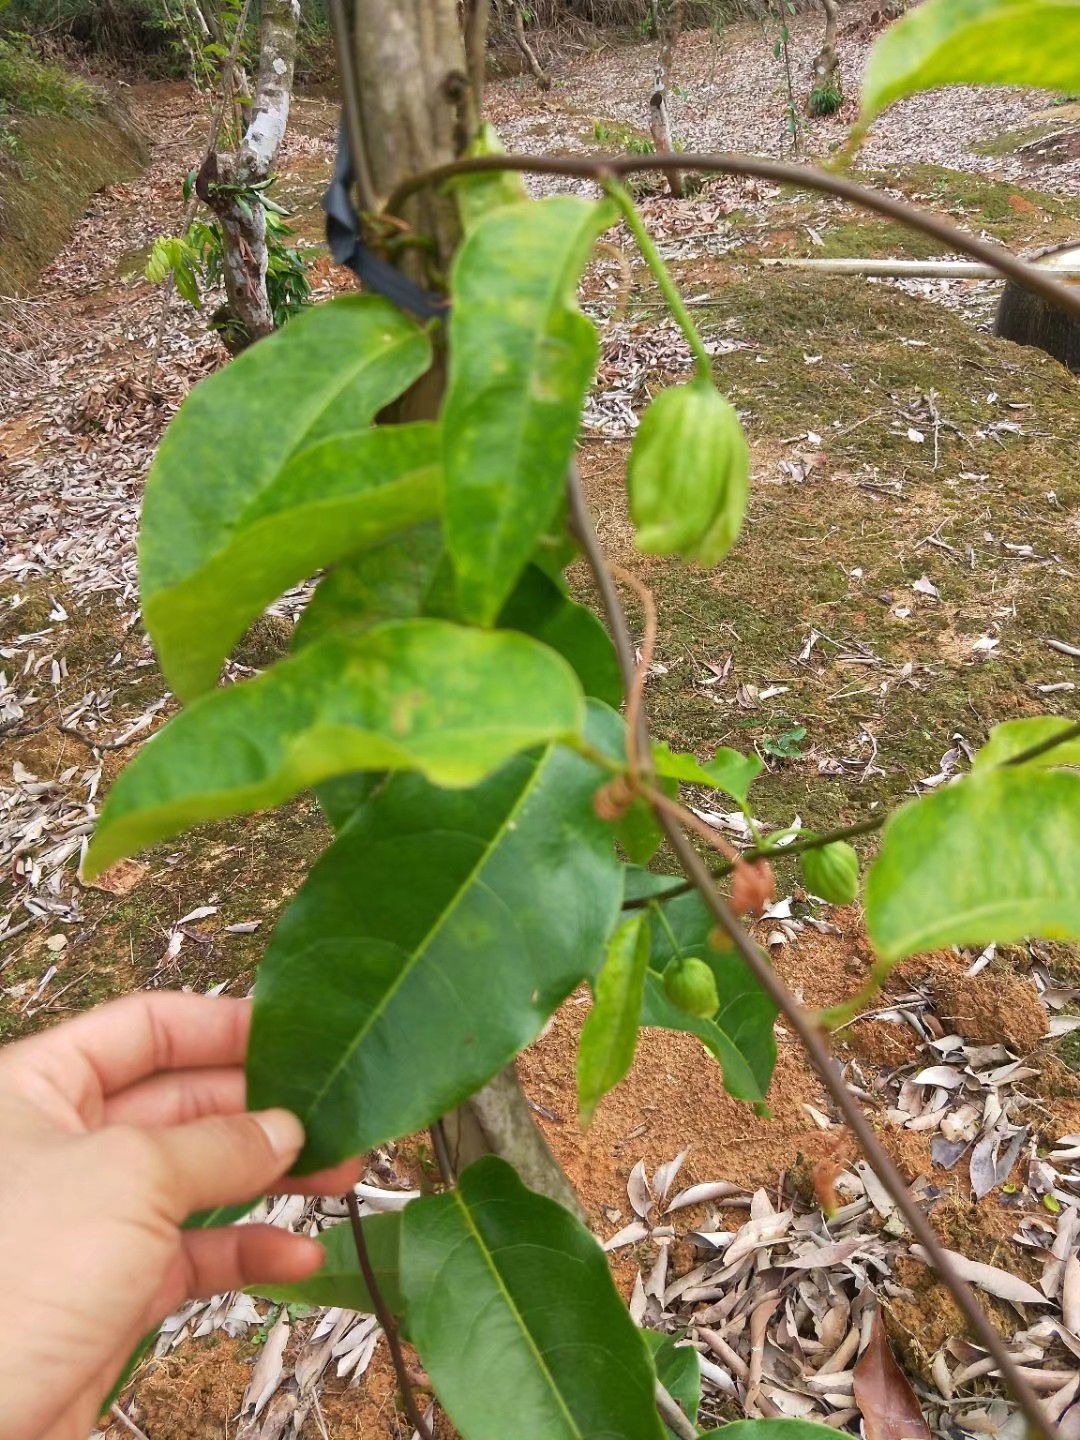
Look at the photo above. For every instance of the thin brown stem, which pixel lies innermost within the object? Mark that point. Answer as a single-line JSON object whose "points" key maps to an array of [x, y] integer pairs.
{"points": [[844, 832], [689, 821], [636, 693], [780, 852], [591, 167], [386, 1320], [800, 1019], [442, 1153]]}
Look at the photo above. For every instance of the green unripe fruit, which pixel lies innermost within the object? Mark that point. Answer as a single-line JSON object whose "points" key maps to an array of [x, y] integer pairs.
{"points": [[688, 474], [832, 872], [691, 985]]}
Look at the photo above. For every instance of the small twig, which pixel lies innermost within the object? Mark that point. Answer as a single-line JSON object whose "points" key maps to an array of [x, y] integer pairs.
{"points": [[782, 172], [798, 1017], [386, 1320], [672, 1416], [636, 694], [844, 832], [125, 1420]]}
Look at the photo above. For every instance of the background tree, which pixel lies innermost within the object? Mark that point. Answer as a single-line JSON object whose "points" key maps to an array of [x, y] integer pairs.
{"points": [[826, 91], [229, 185]]}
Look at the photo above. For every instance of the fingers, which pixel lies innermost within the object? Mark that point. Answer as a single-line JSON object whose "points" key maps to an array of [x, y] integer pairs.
{"points": [[178, 1096], [116, 1045], [234, 1257], [222, 1159]]}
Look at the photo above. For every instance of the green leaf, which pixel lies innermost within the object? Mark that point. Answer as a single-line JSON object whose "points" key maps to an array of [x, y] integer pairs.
{"points": [[995, 857], [974, 42], [484, 191], [412, 695], [1015, 736], [538, 607], [678, 1371], [513, 1312], [331, 370], [327, 501], [609, 1036], [521, 357], [430, 943], [642, 884], [406, 577], [728, 770], [638, 831], [410, 576], [740, 1034], [340, 1281]]}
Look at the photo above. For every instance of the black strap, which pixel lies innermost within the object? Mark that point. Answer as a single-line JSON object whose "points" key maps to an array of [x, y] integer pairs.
{"points": [[347, 246]]}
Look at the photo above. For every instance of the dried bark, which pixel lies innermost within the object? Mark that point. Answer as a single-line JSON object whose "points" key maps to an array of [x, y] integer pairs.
{"points": [[243, 224]]}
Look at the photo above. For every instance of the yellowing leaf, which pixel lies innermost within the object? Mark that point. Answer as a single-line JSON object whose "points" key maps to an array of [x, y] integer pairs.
{"points": [[995, 857], [423, 695], [974, 42], [331, 370], [521, 357]]}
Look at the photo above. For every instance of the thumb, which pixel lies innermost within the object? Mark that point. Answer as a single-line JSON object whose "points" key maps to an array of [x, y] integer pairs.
{"points": [[224, 1159]]}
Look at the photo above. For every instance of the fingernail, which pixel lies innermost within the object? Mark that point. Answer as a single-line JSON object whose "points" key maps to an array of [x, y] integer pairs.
{"points": [[283, 1130]]}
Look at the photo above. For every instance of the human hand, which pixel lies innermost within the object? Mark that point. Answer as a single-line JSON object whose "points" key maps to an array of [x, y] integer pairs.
{"points": [[114, 1128]]}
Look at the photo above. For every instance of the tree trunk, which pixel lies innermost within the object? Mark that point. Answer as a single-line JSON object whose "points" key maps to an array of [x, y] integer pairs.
{"points": [[826, 67], [243, 220], [520, 40], [659, 125], [417, 110]]}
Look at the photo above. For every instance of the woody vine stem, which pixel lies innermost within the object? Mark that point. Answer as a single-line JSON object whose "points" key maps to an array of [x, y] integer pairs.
{"points": [[801, 1020]]}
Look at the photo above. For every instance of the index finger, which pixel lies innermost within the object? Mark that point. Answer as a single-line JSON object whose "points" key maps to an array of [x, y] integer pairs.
{"points": [[127, 1040]]}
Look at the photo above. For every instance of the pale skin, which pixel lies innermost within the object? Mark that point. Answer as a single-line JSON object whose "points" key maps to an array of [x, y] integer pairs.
{"points": [[114, 1128]]}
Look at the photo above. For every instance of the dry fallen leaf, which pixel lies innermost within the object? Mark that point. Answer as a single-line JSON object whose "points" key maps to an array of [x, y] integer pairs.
{"points": [[989, 1278], [889, 1408]]}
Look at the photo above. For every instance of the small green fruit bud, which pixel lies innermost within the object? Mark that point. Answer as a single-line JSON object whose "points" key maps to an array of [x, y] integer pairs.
{"points": [[691, 985], [689, 473], [832, 872]]}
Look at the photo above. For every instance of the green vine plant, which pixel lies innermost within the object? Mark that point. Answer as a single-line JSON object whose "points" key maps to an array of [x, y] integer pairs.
{"points": [[195, 261], [778, 16], [478, 741]]}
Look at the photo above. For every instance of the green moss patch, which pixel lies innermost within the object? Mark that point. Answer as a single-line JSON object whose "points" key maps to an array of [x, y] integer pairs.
{"points": [[59, 162]]}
